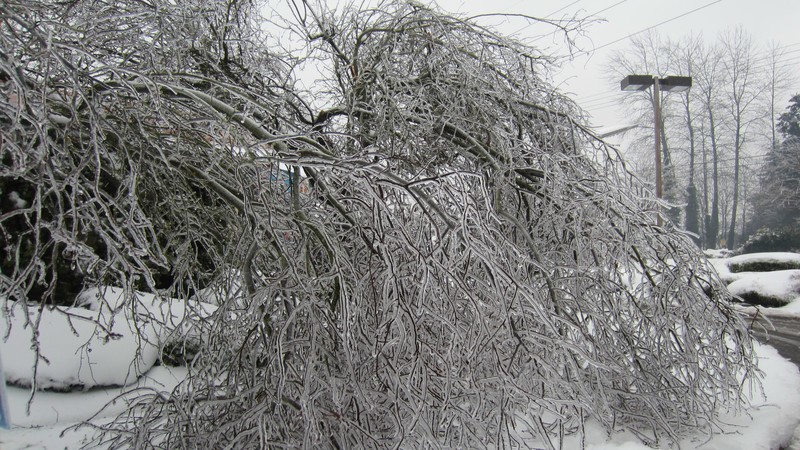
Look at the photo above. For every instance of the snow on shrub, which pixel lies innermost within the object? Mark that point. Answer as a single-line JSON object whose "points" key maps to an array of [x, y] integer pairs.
{"points": [[764, 262], [774, 289], [67, 347], [104, 343], [731, 268]]}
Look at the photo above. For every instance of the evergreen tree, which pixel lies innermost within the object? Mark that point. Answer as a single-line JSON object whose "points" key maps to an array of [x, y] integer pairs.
{"points": [[789, 122], [777, 202]]}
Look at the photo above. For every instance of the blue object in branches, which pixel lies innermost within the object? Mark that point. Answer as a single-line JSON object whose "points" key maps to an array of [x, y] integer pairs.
{"points": [[5, 420]]}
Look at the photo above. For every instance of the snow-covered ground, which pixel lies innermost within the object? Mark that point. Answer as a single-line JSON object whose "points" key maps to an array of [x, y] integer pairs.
{"points": [[80, 355], [54, 413], [74, 352], [97, 369], [773, 422], [768, 425]]}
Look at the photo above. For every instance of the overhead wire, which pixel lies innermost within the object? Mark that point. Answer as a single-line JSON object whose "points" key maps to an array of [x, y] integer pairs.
{"points": [[589, 52], [757, 60], [561, 9], [607, 99], [555, 12], [761, 62], [601, 101], [614, 99], [607, 8]]}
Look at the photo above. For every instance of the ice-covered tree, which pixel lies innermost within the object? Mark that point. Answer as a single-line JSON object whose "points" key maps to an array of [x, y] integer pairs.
{"points": [[427, 249]]}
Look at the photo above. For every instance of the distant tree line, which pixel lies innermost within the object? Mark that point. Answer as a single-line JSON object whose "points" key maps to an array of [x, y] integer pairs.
{"points": [[717, 137]]}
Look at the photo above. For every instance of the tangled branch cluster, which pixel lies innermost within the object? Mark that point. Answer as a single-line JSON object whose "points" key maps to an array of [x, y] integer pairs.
{"points": [[444, 256]]}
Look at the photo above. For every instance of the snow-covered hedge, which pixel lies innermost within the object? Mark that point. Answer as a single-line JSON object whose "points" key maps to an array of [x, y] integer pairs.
{"points": [[732, 268], [765, 279], [106, 343], [775, 289]]}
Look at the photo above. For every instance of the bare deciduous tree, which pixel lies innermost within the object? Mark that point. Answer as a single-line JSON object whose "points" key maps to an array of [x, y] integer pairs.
{"points": [[649, 53], [731, 102], [779, 79], [742, 89], [685, 55], [462, 263]]}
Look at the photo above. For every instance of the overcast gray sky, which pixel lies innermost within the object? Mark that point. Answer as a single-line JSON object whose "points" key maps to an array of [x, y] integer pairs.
{"points": [[766, 20]]}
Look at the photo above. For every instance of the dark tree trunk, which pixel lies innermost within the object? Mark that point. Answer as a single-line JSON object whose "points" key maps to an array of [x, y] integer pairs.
{"points": [[692, 224], [713, 225], [734, 208]]}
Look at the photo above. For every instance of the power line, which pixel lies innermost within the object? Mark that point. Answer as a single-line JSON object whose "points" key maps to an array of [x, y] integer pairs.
{"points": [[608, 104], [613, 95], [788, 61], [590, 15], [757, 61], [606, 9], [561, 9], [653, 27], [602, 99]]}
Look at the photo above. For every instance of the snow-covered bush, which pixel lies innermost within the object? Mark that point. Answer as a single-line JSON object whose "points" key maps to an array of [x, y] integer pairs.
{"points": [[110, 340], [781, 240], [764, 279], [771, 289], [64, 348], [764, 262], [470, 265]]}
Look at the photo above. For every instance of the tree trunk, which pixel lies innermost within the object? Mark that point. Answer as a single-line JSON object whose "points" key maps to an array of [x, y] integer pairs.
{"points": [[734, 207], [706, 215], [713, 226], [691, 220]]}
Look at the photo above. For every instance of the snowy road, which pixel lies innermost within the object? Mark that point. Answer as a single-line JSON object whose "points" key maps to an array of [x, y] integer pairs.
{"points": [[783, 334]]}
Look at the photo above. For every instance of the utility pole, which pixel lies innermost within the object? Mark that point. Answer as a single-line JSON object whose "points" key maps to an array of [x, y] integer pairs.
{"points": [[657, 130], [670, 83]]}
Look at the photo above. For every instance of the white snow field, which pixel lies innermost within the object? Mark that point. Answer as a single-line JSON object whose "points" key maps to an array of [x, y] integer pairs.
{"points": [[74, 352], [96, 361], [53, 415], [768, 425]]}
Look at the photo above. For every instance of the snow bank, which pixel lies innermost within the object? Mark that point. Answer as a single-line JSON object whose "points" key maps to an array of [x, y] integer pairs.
{"points": [[769, 425], [52, 408], [80, 353], [73, 350], [769, 257], [782, 285], [108, 344], [721, 266], [176, 320], [773, 419], [730, 269], [52, 413]]}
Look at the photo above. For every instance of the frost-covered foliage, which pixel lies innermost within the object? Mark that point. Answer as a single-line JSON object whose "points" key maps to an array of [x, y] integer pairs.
{"points": [[459, 263]]}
